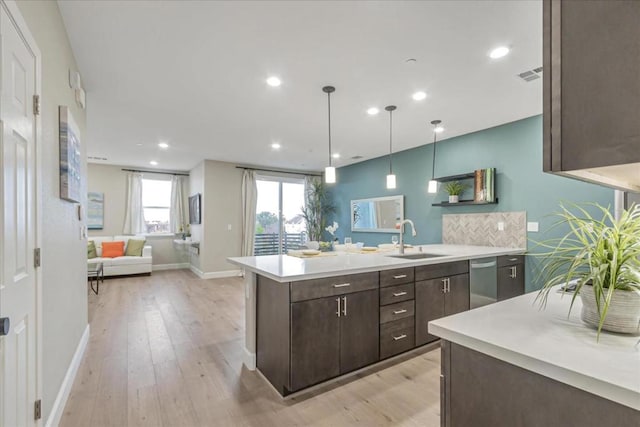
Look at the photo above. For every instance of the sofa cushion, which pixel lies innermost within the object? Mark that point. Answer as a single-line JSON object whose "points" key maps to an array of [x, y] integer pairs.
{"points": [[130, 260], [98, 241], [91, 250], [134, 247], [112, 249]]}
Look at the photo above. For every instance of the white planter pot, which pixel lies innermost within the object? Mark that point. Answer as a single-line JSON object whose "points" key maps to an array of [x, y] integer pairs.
{"points": [[454, 199], [313, 245], [623, 315]]}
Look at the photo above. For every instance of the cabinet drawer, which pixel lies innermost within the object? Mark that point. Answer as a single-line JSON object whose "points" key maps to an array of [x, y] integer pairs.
{"points": [[398, 293], [397, 276], [397, 337], [426, 272], [329, 286], [392, 312], [506, 260]]}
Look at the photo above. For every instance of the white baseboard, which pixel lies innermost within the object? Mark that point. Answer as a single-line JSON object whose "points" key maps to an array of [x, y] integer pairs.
{"points": [[65, 388], [178, 266], [249, 360], [215, 274]]}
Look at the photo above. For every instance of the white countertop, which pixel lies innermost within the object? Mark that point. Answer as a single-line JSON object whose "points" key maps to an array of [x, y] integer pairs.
{"points": [[284, 268], [550, 344]]}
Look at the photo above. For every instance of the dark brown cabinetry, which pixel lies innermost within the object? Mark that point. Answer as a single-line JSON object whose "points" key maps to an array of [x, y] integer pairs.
{"points": [[592, 90], [314, 330], [510, 276], [441, 290], [397, 309]]}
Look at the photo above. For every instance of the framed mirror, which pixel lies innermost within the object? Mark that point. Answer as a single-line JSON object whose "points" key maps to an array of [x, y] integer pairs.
{"points": [[377, 215]]}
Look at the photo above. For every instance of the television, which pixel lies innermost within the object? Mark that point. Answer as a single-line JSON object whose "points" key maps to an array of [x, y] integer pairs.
{"points": [[194, 209]]}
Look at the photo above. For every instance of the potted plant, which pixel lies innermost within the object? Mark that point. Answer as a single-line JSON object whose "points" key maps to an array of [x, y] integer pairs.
{"points": [[602, 256], [455, 190], [318, 206]]}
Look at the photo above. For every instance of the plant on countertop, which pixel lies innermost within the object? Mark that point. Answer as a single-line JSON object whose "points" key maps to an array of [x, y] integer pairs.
{"points": [[331, 229], [603, 257], [318, 205], [455, 188]]}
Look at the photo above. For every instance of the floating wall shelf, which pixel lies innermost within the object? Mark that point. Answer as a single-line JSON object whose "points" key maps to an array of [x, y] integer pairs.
{"points": [[482, 185]]}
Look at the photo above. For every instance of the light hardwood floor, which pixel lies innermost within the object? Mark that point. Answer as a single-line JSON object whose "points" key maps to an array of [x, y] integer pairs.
{"points": [[166, 350]]}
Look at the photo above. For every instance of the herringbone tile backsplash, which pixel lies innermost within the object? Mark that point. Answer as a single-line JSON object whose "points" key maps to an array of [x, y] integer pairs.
{"points": [[482, 229]]}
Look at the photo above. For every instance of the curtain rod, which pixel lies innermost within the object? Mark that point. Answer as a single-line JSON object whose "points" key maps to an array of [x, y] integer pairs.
{"points": [[162, 173], [278, 171]]}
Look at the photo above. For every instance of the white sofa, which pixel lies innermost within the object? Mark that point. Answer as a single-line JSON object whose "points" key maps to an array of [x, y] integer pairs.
{"points": [[122, 265]]}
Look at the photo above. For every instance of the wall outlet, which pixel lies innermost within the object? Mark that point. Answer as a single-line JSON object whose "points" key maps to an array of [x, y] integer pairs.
{"points": [[228, 227], [532, 227], [500, 226]]}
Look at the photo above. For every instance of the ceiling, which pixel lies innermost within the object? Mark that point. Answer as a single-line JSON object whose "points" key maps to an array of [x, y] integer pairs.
{"points": [[192, 74]]}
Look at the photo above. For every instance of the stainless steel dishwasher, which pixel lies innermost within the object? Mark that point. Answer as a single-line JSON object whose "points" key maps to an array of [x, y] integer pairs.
{"points": [[483, 281]]}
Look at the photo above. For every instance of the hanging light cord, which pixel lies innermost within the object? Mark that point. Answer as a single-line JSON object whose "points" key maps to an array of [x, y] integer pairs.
{"points": [[329, 108], [433, 167], [390, 142]]}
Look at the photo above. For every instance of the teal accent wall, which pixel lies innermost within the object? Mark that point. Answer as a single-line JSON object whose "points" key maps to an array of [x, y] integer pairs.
{"points": [[514, 149]]}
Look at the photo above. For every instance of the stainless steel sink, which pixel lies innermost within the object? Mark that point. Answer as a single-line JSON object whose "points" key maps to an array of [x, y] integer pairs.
{"points": [[416, 256]]}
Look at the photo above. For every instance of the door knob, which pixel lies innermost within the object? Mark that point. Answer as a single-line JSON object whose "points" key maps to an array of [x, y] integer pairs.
{"points": [[5, 324]]}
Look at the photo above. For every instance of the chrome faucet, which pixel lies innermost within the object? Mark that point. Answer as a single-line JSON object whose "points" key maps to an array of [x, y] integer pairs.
{"points": [[413, 232]]}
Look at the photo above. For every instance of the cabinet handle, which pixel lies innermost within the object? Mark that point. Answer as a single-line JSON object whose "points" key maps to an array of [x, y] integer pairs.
{"points": [[342, 285], [514, 273], [400, 311], [338, 301], [444, 286], [400, 276], [513, 259], [401, 337], [399, 294], [344, 306]]}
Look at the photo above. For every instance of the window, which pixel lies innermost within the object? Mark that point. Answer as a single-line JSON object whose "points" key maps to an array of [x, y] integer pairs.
{"points": [[156, 203], [279, 222]]}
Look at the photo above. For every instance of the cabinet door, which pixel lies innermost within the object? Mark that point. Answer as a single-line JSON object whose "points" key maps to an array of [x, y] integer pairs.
{"points": [[510, 281], [429, 306], [359, 330], [315, 342], [457, 299]]}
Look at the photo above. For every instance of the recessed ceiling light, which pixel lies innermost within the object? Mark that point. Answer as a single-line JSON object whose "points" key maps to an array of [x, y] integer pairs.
{"points": [[139, 144], [438, 129], [273, 81], [163, 145], [153, 163], [276, 146], [373, 111], [336, 155], [419, 96], [499, 52]]}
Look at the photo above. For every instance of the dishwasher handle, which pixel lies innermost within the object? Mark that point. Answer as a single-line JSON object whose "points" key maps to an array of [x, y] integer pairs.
{"points": [[483, 264]]}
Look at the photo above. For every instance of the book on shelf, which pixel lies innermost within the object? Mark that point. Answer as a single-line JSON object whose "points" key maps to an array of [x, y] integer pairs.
{"points": [[484, 185]]}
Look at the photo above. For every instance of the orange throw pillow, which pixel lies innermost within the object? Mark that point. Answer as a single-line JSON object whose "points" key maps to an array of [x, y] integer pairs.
{"points": [[112, 249]]}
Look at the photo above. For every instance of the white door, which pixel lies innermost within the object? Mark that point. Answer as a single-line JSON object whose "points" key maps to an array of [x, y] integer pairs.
{"points": [[18, 232]]}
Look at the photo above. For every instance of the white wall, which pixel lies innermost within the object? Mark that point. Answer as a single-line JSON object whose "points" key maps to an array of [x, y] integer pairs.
{"points": [[112, 181], [219, 234], [64, 266]]}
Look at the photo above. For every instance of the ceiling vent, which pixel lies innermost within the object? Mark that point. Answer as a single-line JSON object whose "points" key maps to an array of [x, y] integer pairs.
{"points": [[96, 158], [356, 157], [531, 75]]}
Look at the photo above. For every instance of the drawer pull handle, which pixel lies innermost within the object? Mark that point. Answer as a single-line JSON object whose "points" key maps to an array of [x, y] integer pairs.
{"points": [[399, 294], [403, 336], [342, 285], [513, 259], [400, 276], [400, 311]]}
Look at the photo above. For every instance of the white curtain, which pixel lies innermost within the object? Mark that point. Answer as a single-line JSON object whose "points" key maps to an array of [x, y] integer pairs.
{"points": [[134, 212], [176, 211], [249, 206]]}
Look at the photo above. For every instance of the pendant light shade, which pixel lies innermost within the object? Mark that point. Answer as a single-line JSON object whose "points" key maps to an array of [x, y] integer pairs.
{"points": [[391, 178], [433, 184], [329, 171]]}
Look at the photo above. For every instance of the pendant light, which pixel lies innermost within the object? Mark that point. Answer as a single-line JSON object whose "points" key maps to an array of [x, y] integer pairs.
{"points": [[433, 184], [391, 178], [329, 171]]}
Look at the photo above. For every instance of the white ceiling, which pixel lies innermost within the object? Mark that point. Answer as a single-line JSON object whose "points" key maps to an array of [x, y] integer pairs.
{"points": [[193, 74]]}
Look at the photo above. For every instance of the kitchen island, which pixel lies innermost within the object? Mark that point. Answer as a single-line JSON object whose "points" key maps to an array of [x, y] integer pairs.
{"points": [[512, 363], [313, 319]]}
